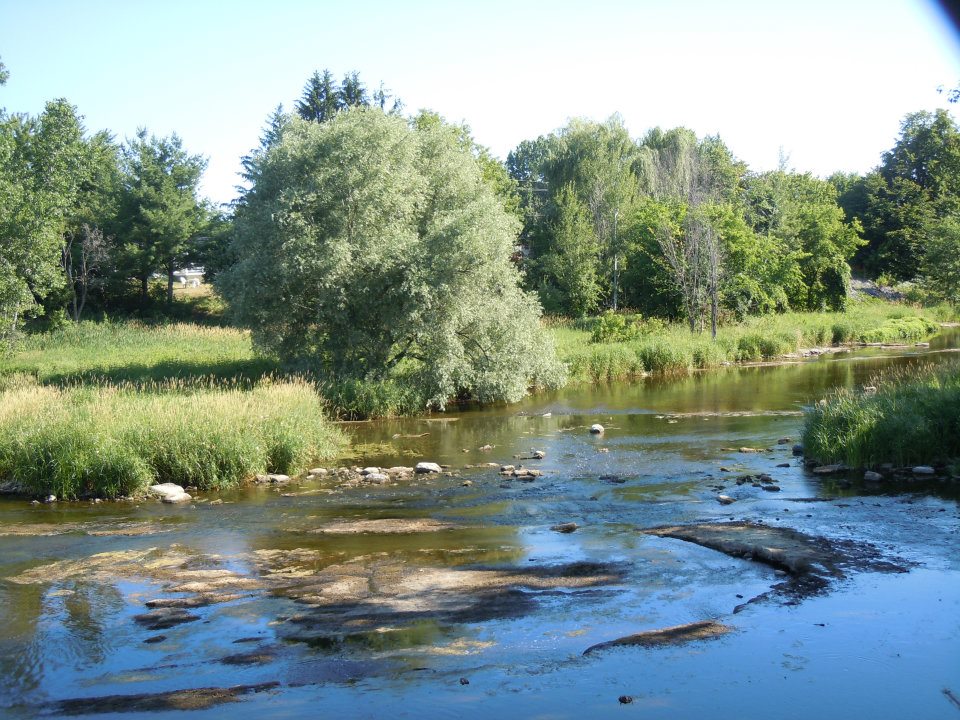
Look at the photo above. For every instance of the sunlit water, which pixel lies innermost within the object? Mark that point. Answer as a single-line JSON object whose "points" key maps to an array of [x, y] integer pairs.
{"points": [[876, 645]]}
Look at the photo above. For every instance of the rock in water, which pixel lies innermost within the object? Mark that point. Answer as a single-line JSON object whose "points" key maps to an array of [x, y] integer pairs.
{"points": [[923, 470], [170, 493], [596, 429], [725, 499], [568, 527], [427, 467], [871, 476]]}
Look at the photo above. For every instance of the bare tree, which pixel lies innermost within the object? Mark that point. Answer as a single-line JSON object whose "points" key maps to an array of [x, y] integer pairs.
{"points": [[81, 262], [693, 250]]}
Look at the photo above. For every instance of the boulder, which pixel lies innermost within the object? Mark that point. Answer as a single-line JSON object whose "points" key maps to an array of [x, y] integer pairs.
{"points": [[923, 470], [427, 467], [725, 499], [376, 478], [539, 454], [169, 493], [871, 476], [596, 429], [370, 471], [567, 527]]}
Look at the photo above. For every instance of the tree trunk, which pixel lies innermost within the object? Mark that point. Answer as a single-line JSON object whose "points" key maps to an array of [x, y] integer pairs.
{"points": [[143, 290], [170, 284]]}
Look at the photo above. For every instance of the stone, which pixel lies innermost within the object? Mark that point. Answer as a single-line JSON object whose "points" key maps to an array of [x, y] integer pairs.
{"points": [[466, 483], [748, 450], [53, 498], [370, 471], [485, 448], [783, 465], [317, 471], [783, 441], [427, 467], [169, 493], [725, 499], [377, 478], [507, 468], [923, 470], [771, 488], [798, 450], [828, 469], [871, 476], [539, 454], [278, 479], [565, 528], [596, 429]]}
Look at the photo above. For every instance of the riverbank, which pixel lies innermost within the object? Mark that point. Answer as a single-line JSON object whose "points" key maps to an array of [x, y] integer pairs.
{"points": [[636, 347], [106, 409]]}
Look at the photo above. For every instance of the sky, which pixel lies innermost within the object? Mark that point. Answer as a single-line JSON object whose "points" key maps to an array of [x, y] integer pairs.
{"points": [[823, 83]]}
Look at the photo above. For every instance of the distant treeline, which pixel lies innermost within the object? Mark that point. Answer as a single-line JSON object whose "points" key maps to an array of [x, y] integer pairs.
{"points": [[669, 225]]}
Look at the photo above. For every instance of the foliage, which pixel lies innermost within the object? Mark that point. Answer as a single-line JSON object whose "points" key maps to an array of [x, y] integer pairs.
{"points": [[108, 441], [41, 171], [913, 417], [801, 214], [159, 209], [940, 268], [916, 186], [371, 250], [323, 98], [570, 265]]}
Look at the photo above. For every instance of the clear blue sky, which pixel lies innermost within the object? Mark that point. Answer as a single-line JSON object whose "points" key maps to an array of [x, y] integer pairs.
{"points": [[828, 81]]}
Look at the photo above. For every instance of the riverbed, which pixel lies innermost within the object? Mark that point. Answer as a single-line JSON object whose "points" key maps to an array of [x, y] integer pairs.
{"points": [[470, 593]]}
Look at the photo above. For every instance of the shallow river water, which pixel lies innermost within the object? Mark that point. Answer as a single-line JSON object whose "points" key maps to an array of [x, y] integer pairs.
{"points": [[451, 596]]}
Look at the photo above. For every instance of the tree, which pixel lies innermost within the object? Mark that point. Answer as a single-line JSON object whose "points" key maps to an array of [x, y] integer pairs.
{"points": [[83, 257], [940, 269], [159, 209], [373, 251], [596, 161], [321, 99], [41, 172], [801, 213], [697, 183], [571, 261], [916, 185]]}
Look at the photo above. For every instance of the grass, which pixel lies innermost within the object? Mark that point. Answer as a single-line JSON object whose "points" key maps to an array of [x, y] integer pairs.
{"points": [[110, 441], [673, 348], [912, 418], [134, 352]]}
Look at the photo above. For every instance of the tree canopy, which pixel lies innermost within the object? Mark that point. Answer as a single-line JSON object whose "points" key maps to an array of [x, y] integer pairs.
{"points": [[372, 249]]}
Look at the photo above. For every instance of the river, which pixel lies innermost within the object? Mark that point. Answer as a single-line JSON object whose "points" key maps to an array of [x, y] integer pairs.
{"points": [[451, 596]]}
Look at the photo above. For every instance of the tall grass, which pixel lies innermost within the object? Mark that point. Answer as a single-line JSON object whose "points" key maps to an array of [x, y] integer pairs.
{"points": [[673, 348], [912, 418], [108, 441]]}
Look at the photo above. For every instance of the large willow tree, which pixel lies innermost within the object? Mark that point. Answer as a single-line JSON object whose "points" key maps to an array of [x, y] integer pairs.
{"points": [[371, 250]]}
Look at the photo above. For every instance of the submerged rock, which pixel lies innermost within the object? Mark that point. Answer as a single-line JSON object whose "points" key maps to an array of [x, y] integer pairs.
{"points": [[175, 700], [163, 618], [676, 635]]}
